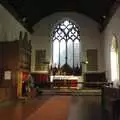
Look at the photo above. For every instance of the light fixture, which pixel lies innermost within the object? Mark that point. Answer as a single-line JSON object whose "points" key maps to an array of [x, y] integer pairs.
{"points": [[24, 19], [104, 16], [84, 62]]}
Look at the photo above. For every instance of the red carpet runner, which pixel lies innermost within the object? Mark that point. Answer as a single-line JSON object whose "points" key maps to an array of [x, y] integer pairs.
{"points": [[57, 108]]}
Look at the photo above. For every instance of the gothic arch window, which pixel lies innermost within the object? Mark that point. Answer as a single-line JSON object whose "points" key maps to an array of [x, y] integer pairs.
{"points": [[114, 60], [66, 44]]}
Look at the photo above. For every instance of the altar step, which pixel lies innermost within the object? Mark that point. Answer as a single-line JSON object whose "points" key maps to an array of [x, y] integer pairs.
{"points": [[72, 92]]}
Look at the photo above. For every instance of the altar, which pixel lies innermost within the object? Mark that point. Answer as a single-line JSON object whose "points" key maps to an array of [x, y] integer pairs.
{"points": [[64, 81]]}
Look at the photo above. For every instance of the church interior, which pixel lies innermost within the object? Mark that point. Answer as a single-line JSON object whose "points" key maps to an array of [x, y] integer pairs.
{"points": [[59, 60]]}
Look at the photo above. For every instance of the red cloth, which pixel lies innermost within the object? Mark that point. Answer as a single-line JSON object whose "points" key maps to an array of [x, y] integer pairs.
{"points": [[73, 83], [25, 75]]}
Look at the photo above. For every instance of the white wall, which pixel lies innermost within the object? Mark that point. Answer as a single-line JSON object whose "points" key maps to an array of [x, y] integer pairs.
{"points": [[40, 42], [9, 26], [113, 28], [89, 33]]}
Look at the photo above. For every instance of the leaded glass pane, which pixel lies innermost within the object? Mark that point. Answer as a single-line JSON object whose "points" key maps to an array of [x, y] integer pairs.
{"points": [[62, 52], [76, 52], [62, 26], [56, 34], [73, 37], [70, 52], [70, 26], [56, 52], [66, 30], [66, 22]]}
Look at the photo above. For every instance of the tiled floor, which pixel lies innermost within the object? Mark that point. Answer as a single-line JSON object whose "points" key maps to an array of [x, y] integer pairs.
{"points": [[55, 108]]}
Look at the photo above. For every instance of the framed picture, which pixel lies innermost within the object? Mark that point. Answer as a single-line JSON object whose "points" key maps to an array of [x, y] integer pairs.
{"points": [[7, 75], [40, 58]]}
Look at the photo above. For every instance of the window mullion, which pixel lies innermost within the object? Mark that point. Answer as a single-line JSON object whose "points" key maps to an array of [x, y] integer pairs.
{"points": [[73, 53], [66, 49], [59, 54]]}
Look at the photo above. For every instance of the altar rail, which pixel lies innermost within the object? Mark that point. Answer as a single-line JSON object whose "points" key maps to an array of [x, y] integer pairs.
{"points": [[72, 84], [78, 85]]}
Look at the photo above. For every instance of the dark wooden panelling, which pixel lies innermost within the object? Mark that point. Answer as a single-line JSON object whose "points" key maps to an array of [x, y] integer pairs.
{"points": [[111, 103], [92, 58], [94, 77], [15, 56]]}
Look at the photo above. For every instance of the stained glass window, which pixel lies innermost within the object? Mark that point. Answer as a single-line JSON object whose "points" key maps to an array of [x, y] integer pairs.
{"points": [[66, 44]]}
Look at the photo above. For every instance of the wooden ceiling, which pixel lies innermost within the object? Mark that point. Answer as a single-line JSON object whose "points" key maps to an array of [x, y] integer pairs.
{"points": [[31, 12]]}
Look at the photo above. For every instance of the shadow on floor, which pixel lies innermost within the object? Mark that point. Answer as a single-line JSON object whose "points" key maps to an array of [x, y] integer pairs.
{"points": [[85, 108]]}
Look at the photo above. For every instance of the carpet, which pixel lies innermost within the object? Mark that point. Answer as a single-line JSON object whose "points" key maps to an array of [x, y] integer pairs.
{"points": [[57, 108]]}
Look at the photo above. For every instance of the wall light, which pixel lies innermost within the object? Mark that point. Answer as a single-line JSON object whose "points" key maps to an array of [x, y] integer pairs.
{"points": [[84, 62]]}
